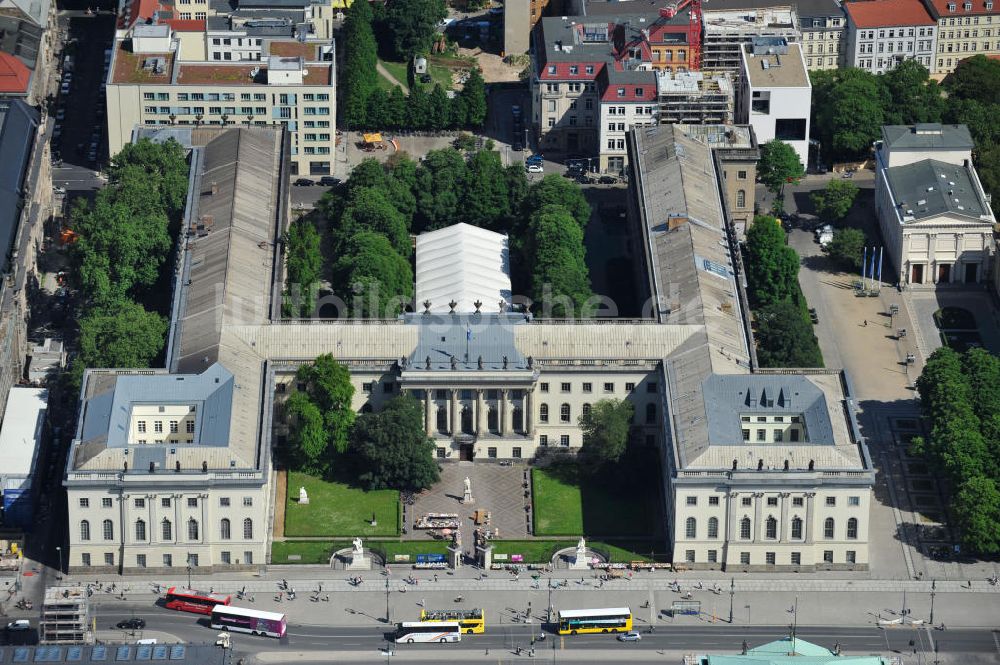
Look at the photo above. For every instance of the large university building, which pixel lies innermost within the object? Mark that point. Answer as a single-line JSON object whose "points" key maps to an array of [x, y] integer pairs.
{"points": [[172, 467]]}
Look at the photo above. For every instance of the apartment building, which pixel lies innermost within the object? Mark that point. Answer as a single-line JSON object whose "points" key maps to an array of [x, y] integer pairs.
{"points": [[775, 94], [823, 25], [728, 30], [628, 99], [694, 97], [883, 33], [934, 216], [150, 82], [964, 28]]}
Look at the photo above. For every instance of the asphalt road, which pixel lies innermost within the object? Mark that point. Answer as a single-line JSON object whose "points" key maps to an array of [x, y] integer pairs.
{"points": [[720, 637]]}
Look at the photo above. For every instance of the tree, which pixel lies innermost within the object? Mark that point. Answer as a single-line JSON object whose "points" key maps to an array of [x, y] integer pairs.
{"points": [[162, 163], [321, 414], [605, 430], [975, 78], [486, 201], [779, 163], [370, 209], [303, 262], [359, 78], [977, 507], [847, 247], [376, 282], [835, 200], [912, 95], [473, 100], [391, 448], [772, 266], [121, 334], [439, 109], [785, 338], [854, 114], [555, 254], [412, 24], [307, 439], [440, 180], [553, 189]]}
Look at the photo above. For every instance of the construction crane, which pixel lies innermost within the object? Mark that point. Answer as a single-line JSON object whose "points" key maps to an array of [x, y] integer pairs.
{"points": [[694, 28]]}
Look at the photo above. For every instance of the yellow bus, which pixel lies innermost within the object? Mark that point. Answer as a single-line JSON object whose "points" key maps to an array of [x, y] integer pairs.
{"points": [[470, 621], [604, 620]]}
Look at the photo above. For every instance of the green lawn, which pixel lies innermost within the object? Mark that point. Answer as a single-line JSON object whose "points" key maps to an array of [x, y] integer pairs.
{"points": [[567, 503], [439, 74], [337, 509], [309, 551], [542, 551]]}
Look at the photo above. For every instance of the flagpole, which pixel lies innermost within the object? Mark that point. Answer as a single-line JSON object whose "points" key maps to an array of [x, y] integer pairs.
{"points": [[864, 264]]}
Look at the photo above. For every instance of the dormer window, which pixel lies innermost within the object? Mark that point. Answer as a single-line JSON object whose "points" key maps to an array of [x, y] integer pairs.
{"points": [[951, 6], [989, 5], [552, 69], [574, 70], [967, 6], [638, 92], [590, 68], [621, 92]]}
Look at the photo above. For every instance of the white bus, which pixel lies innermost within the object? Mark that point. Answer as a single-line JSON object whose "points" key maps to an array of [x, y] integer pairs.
{"points": [[244, 620], [423, 631]]}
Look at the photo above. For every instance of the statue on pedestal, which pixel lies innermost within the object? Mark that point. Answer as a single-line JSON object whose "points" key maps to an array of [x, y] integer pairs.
{"points": [[581, 549], [358, 546], [303, 497], [467, 494]]}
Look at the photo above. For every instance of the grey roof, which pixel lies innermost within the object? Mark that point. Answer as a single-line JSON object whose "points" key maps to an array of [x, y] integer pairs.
{"points": [[929, 188], [175, 654], [465, 339], [557, 31], [630, 76], [18, 123], [774, 70], [927, 136], [264, 4], [107, 415], [151, 30], [726, 397], [36, 10], [806, 8]]}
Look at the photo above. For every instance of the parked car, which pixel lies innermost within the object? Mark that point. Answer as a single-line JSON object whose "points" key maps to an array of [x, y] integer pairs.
{"points": [[534, 168], [303, 182], [329, 181], [64, 88], [517, 146], [631, 636], [20, 624], [60, 115], [534, 159], [135, 623], [607, 180]]}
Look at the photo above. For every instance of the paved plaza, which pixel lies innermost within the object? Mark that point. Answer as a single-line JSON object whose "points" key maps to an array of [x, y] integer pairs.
{"points": [[496, 489]]}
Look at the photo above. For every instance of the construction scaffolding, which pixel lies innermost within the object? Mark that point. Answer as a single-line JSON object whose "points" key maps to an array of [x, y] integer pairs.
{"points": [[694, 98], [65, 617], [727, 30]]}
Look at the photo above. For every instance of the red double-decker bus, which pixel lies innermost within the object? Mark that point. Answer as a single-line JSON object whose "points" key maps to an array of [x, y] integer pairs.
{"points": [[191, 600]]}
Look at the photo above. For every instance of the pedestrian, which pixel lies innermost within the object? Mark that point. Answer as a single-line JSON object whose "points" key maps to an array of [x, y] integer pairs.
{"points": [[435, 577], [866, 323]]}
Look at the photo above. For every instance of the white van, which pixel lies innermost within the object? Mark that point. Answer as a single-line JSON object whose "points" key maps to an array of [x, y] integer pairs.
{"points": [[148, 641]]}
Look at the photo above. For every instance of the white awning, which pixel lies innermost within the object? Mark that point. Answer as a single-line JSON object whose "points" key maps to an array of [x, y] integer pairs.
{"points": [[462, 263]]}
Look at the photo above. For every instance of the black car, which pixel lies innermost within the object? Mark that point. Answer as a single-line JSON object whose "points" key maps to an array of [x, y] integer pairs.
{"points": [[135, 623], [608, 180], [303, 182], [517, 146], [329, 181]]}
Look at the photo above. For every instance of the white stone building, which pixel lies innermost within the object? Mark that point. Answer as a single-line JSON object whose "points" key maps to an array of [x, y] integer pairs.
{"points": [[775, 93], [883, 33], [935, 218]]}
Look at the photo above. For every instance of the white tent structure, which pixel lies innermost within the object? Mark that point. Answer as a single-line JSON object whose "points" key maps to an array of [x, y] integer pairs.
{"points": [[464, 264]]}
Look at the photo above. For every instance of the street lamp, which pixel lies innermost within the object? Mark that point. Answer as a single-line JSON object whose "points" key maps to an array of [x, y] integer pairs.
{"points": [[59, 550], [189, 569], [225, 119], [387, 619], [933, 589], [732, 592]]}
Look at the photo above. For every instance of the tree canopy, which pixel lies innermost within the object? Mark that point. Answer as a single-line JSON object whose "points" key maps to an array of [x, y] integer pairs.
{"points": [[391, 449], [779, 163], [375, 280], [554, 251], [304, 265], [847, 248], [785, 338], [772, 266], [412, 24], [606, 430], [835, 200], [320, 415]]}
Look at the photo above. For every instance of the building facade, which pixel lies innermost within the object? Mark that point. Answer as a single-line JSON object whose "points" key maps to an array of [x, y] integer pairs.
{"points": [[933, 213], [775, 94], [964, 28], [883, 33]]}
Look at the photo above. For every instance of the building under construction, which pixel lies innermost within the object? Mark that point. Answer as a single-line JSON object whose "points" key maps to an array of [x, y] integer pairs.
{"points": [[694, 98], [65, 617], [727, 30]]}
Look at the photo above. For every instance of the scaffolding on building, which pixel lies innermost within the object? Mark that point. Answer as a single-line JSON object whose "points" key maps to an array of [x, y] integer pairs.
{"points": [[727, 30], [694, 98], [65, 616]]}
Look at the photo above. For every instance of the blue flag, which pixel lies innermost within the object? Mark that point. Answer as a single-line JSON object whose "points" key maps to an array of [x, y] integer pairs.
{"points": [[468, 334]]}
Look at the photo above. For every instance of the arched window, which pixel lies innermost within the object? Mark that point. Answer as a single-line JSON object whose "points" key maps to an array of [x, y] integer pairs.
{"points": [[564, 413], [166, 530], [852, 528], [741, 198], [650, 414], [140, 530], [586, 409], [797, 528], [225, 528], [771, 528], [109, 530], [691, 527], [248, 529], [192, 529], [745, 528], [84, 530], [543, 413], [828, 528], [713, 527]]}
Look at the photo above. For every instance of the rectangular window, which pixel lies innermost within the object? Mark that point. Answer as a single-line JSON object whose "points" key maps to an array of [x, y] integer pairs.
{"points": [[713, 500], [141, 426], [831, 501], [440, 452], [745, 558], [588, 387], [140, 560], [689, 556], [772, 501], [85, 503], [109, 559], [798, 501], [827, 556], [543, 439], [247, 501], [515, 452], [192, 502], [225, 556], [713, 556], [85, 559], [793, 435], [168, 560], [564, 440], [746, 435], [796, 558], [854, 501], [189, 426], [762, 435], [851, 556], [790, 129], [491, 452], [609, 387], [165, 502], [158, 426], [224, 501], [629, 387], [564, 387], [746, 501], [769, 558], [543, 387], [106, 502], [692, 501], [140, 503]]}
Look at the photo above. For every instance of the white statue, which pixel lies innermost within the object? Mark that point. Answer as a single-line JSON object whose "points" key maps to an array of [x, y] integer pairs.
{"points": [[581, 548], [357, 546], [458, 539], [467, 495], [303, 497], [580, 562]]}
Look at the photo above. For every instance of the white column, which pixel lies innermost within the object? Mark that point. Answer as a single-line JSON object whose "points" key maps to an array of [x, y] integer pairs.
{"points": [[529, 412], [429, 420], [456, 424], [504, 412], [480, 406]]}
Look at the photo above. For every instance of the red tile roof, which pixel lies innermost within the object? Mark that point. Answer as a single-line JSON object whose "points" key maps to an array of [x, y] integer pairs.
{"points": [[185, 25], [978, 8], [888, 13], [14, 75], [562, 72]]}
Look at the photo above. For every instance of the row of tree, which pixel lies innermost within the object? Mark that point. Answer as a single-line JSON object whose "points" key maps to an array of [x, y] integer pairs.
{"points": [[960, 395], [366, 105], [851, 105], [784, 331], [125, 238], [374, 213], [388, 449]]}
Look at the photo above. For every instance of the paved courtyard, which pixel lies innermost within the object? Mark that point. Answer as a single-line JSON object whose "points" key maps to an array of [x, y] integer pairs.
{"points": [[497, 489]]}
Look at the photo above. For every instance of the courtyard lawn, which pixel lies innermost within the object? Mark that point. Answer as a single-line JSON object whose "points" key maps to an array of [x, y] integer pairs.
{"points": [[337, 509], [308, 551], [567, 503], [542, 551], [439, 74]]}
